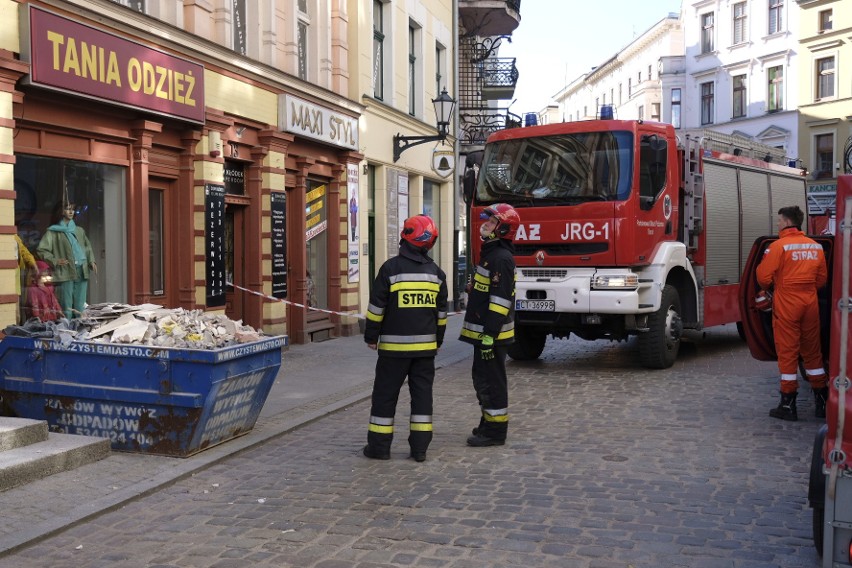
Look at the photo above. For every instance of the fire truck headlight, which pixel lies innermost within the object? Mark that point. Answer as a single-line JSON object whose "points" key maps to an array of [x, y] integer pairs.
{"points": [[616, 282]]}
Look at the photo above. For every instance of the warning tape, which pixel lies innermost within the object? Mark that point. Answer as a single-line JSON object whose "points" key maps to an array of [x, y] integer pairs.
{"points": [[298, 305]]}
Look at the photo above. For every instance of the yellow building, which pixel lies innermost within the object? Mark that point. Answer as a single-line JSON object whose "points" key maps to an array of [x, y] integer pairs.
{"points": [[825, 97]]}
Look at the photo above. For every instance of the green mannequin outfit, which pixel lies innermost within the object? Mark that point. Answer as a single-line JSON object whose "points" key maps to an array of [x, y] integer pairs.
{"points": [[67, 241]]}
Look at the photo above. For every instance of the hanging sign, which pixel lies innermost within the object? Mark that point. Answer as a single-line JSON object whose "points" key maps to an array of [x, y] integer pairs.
{"points": [[214, 232], [279, 243]]}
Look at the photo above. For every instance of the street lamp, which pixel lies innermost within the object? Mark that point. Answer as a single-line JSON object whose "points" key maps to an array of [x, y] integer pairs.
{"points": [[443, 111]]}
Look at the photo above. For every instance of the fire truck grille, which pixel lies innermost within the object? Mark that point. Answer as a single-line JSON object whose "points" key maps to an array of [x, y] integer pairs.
{"points": [[567, 249], [543, 273]]}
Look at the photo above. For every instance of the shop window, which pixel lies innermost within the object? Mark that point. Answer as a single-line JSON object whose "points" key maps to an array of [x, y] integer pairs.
{"points": [[316, 238], [44, 184], [432, 208], [156, 231]]}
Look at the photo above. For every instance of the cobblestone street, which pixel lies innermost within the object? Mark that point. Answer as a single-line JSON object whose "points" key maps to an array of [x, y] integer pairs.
{"points": [[607, 465]]}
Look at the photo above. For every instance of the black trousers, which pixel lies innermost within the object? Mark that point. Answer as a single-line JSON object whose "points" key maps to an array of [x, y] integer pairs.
{"points": [[391, 373], [491, 385]]}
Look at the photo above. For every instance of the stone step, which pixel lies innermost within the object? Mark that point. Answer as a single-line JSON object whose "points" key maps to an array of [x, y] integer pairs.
{"points": [[19, 432], [30, 453]]}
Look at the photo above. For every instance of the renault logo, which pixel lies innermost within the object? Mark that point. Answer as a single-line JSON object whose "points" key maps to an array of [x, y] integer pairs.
{"points": [[539, 258]]}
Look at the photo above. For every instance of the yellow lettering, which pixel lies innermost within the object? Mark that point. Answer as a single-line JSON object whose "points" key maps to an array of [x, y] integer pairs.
{"points": [[57, 40], [134, 74], [90, 61], [191, 82], [179, 87], [161, 78], [71, 61], [147, 78], [112, 74], [417, 299]]}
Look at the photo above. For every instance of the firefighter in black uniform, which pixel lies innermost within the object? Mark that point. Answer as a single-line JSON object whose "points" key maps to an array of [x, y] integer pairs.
{"points": [[489, 322], [406, 322]]}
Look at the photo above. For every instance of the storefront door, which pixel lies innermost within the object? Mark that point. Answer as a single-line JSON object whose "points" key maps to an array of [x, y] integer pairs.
{"points": [[235, 261]]}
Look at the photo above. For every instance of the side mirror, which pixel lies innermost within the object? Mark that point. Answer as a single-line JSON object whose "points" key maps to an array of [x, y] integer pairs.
{"points": [[468, 185], [647, 203]]}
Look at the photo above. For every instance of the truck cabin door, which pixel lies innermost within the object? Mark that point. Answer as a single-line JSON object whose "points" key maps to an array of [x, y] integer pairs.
{"points": [[757, 324], [653, 219]]}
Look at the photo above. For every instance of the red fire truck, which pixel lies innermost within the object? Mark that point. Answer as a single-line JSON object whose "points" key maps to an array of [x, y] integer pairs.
{"points": [[830, 484], [626, 231]]}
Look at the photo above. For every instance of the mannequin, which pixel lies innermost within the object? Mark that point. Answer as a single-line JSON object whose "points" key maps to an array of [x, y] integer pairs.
{"points": [[66, 248]]}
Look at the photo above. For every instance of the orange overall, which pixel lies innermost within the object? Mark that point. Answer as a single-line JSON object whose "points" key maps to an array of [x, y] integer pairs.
{"points": [[795, 264]]}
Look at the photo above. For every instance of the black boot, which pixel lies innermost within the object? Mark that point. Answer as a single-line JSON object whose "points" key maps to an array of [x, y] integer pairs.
{"points": [[786, 409], [820, 400]]}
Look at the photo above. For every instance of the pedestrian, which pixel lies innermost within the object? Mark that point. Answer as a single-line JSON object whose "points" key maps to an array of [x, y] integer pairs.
{"points": [[795, 266], [489, 322], [406, 322]]}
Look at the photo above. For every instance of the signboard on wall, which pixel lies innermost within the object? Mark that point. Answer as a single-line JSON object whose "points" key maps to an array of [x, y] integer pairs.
{"points": [[278, 212], [304, 118], [80, 59], [315, 213], [214, 236], [353, 260]]}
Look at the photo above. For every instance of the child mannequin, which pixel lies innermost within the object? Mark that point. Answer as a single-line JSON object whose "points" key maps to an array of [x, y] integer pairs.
{"points": [[40, 295]]}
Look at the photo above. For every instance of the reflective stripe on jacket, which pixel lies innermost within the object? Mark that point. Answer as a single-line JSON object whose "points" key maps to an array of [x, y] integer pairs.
{"points": [[407, 315], [491, 300]]}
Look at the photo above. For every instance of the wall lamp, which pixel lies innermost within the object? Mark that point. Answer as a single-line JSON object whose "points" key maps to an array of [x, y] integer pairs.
{"points": [[443, 111]]}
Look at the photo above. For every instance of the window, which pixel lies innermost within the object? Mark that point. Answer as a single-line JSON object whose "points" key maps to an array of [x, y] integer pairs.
{"points": [[639, 77], [740, 99], [652, 167], [649, 72], [612, 96], [739, 23], [378, 50], [707, 107], [676, 108], [619, 93], [138, 5], [432, 208], [825, 21], [775, 9], [302, 39], [239, 26], [655, 112], [412, 70], [156, 228], [775, 94], [604, 98], [824, 146], [439, 68], [641, 112], [824, 78], [629, 87], [707, 32]]}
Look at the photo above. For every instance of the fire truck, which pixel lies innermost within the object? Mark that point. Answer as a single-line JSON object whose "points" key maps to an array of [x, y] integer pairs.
{"points": [[830, 483], [627, 230]]}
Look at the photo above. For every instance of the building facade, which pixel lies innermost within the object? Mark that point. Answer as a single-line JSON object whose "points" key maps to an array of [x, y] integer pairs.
{"points": [[741, 70], [402, 57], [629, 82], [210, 150], [825, 98]]}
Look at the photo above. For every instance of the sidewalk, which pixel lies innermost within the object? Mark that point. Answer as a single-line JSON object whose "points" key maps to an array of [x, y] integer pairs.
{"points": [[315, 380]]}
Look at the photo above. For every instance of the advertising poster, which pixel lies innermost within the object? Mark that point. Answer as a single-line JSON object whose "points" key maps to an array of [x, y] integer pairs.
{"points": [[352, 234], [214, 231]]}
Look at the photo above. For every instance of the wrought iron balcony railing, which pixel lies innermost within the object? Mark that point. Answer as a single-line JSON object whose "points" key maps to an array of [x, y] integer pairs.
{"points": [[477, 124], [499, 78]]}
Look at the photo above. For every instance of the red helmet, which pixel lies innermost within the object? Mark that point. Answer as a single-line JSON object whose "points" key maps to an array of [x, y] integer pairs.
{"points": [[508, 217], [763, 301], [420, 231]]}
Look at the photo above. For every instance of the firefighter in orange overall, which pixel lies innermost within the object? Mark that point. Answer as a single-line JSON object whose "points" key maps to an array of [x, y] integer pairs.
{"points": [[795, 265], [406, 323]]}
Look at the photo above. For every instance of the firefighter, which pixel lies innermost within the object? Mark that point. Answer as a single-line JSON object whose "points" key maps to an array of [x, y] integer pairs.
{"points": [[489, 322], [406, 322], [795, 265]]}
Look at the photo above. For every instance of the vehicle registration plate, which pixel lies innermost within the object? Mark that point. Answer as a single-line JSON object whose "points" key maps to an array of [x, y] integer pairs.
{"points": [[535, 305]]}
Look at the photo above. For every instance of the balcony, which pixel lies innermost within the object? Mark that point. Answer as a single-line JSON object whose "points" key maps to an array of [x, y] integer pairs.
{"points": [[477, 124], [499, 78], [485, 18]]}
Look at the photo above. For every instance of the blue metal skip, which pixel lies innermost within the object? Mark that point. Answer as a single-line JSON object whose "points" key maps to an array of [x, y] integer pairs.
{"points": [[145, 399]]}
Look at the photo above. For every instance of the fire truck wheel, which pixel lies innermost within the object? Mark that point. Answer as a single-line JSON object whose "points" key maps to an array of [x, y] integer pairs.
{"points": [[659, 345], [528, 344]]}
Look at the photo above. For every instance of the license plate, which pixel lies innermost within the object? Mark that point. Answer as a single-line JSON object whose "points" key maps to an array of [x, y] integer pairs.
{"points": [[535, 305]]}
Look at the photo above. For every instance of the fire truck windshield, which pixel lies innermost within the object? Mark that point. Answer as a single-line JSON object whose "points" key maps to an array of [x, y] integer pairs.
{"points": [[563, 169]]}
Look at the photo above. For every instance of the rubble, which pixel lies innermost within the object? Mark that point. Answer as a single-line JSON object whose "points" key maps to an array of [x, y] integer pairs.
{"points": [[144, 324]]}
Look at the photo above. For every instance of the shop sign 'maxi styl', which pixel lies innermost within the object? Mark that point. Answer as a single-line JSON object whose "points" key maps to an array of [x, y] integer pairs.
{"points": [[77, 58]]}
